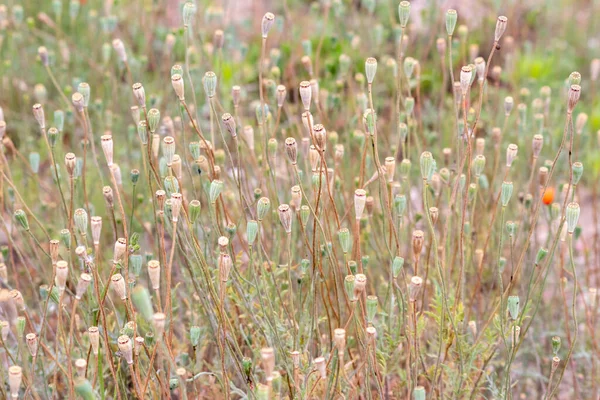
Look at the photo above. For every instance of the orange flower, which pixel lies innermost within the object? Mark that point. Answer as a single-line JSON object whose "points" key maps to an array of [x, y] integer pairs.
{"points": [[548, 196]]}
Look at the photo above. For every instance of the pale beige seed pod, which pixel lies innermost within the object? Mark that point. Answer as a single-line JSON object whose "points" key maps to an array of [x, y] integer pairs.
{"points": [[285, 216], [139, 93], [159, 321], [176, 204], [70, 162], [515, 334], [160, 196], [307, 63], [154, 273], [509, 103], [177, 167], [305, 94], [496, 135], [96, 226], [360, 284], [371, 333], [370, 205], [496, 72], [119, 48], [320, 136], [15, 376], [267, 356], [138, 344], [126, 348], [107, 192], [117, 283], [38, 114], [267, 23], [580, 122], [314, 88], [418, 238], [43, 54], [543, 176], [480, 68], [295, 355], [116, 171], [314, 158], [80, 367], [511, 154], [416, 284], [321, 367], [236, 95], [107, 147], [595, 69], [390, 168], [478, 256], [119, 250], [536, 145], [229, 124], [434, 213], [17, 299], [500, 27], [291, 149], [78, 101], [573, 98], [61, 274], [308, 122], [440, 45], [473, 327], [339, 338], [82, 285], [32, 343], [94, 337], [296, 200], [465, 79], [4, 330], [178, 86], [54, 246], [218, 39], [281, 95], [479, 146], [223, 243], [360, 199], [225, 264]]}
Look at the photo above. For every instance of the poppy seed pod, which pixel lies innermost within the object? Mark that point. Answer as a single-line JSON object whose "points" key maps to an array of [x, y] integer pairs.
{"points": [[176, 203], [416, 283], [61, 274], [139, 94], [38, 114], [225, 263], [512, 304], [360, 283], [267, 356], [291, 149], [178, 86], [390, 168], [574, 94], [15, 376], [82, 285], [360, 199], [210, 84], [509, 103], [296, 201], [118, 285], [168, 149], [404, 13], [572, 216], [94, 337], [427, 165], [305, 94], [119, 48], [451, 18], [501, 23], [126, 348], [466, 73], [511, 154], [107, 147], [119, 249], [229, 124], [216, 187], [370, 69], [506, 193], [43, 55], [262, 207], [418, 238], [480, 68], [536, 145], [321, 367], [577, 172], [285, 216], [32, 343], [320, 135], [281, 95], [339, 339], [267, 23]]}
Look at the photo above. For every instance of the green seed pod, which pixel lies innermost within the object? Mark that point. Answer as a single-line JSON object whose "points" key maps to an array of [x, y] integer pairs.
{"points": [[143, 132], [371, 308], [556, 342], [44, 291], [163, 168], [134, 176], [246, 365], [34, 162], [427, 165], [572, 216], [513, 306], [216, 187], [21, 218], [65, 238], [507, 189], [251, 231], [142, 301], [478, 165], [400, 204], [353, 266], [419, 393], [153, 119], [511, 228], [304, 214], [262, 392], [80, 217], [365, 261], [397, 265], [135, 264], [52, 136], [574, 78], [84, 389], [231, 229], [128, 329], [471, 192], [189, 10], [404, 13], [349, 287], [262, 208], [168, 211], [577, 172], [84, 89], [195, 150], [304, 264], [194, 210], [344, 237], [149, 338], [409, 104], [370, 69], [527, 200], [171, 185], [195, 335], [541, 254], [403, 131], [20, 325], [370, 121], [451, 18], [210, 83]]}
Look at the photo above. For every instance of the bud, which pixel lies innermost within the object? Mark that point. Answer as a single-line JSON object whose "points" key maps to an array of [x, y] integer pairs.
{"points": [[21, 218], [267, 24], [500, 27]]}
